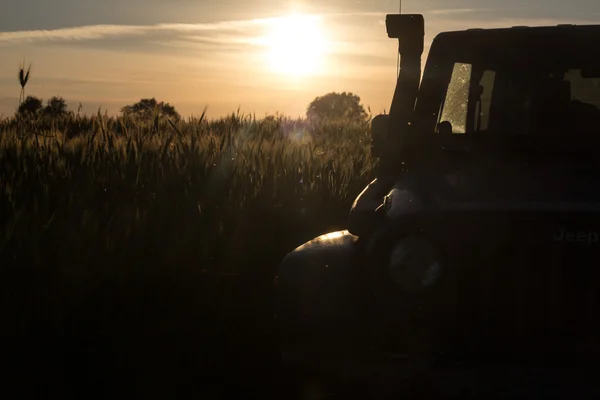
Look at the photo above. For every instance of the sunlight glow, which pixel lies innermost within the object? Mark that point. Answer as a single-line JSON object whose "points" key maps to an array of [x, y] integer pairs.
{"points": [[296, 45]]}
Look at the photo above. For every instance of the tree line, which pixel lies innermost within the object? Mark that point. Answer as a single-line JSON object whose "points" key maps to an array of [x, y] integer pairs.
{"points": [[332, 106]]}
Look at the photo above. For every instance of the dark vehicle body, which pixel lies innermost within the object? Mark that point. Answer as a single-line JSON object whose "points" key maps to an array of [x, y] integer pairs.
{"points": [[473, 260]]}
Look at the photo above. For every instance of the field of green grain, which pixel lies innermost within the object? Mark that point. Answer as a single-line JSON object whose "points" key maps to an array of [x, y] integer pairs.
{"points": [[140, 254]]}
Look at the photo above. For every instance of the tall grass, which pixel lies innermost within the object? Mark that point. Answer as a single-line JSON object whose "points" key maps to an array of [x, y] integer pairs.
{"points": [[114, 228], [106, 183]]}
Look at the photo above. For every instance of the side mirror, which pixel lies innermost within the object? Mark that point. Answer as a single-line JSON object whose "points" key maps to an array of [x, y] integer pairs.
{"points": [[379, 129], [445, 128]]}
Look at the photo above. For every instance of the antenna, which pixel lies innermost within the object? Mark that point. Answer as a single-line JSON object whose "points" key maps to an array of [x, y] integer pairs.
{"points": [[398, 55]]}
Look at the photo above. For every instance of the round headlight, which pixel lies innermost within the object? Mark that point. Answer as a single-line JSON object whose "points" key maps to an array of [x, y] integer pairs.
{"points": [[415, 264]]}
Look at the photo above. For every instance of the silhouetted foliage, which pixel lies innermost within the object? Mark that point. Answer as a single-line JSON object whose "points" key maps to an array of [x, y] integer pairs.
{"points": [[110, 234], [146, 109], [336, 106], [23, 79], [30, 106], [56, 107]]}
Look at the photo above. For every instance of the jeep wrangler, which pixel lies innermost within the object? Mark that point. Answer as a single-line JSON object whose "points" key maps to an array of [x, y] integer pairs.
{"points": [[472, 262]]}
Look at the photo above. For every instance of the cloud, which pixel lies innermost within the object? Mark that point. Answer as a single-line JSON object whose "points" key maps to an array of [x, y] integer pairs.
{"points": [[479, 12], [226, 43], [200, 40], [95, 32], [453, 11], [71, 34], [92, 32]]}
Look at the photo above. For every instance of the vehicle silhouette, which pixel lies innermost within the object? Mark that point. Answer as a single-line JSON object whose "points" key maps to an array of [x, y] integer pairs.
{"points": [[471, 264]]}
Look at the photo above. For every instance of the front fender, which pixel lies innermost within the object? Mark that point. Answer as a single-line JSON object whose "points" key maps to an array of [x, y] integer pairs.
{"points": [[321, 302], [321, 279]]}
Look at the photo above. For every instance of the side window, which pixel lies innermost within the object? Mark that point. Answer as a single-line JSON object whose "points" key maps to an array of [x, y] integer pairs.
{"points": [[482, 116], [454, 108], [468, 99], [583, 89]]}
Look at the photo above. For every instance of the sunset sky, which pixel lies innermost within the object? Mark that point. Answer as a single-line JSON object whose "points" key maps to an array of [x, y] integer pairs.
{"points": [[226, 54]]}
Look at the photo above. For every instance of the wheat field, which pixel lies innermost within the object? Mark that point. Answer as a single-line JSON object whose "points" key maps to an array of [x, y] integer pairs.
{"points": [[113, 228]]}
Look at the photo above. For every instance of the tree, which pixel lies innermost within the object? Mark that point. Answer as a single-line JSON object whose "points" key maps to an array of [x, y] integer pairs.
{"points": [[30, 106], [146, 108], [336, 106], [56, 107]]}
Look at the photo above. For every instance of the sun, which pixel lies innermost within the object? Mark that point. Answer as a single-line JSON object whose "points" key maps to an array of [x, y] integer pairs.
{"points": [[296, 45]]}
